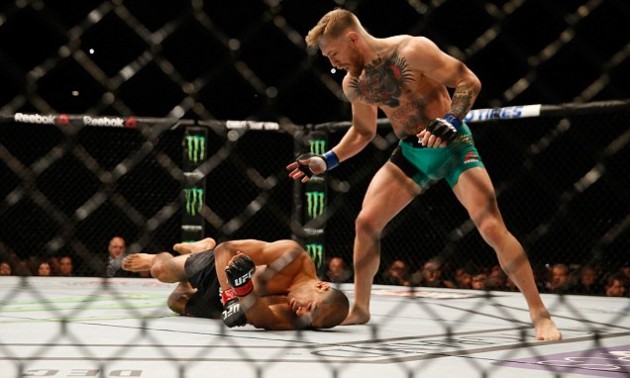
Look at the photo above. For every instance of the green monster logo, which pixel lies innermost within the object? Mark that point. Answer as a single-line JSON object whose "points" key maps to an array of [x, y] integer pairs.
{"points": [[315, 203], [196, 148], [194, 200], [316, 251], [318, 146]]}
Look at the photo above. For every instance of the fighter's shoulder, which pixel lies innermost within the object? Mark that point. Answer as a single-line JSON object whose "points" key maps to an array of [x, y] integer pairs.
{"points": [[287, 243], [289, 246], [408, 44]]}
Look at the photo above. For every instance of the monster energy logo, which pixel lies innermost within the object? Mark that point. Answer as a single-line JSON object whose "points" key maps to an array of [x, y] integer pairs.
{"points": [[194, 200], [318, 146], [315, 203], [316, 251], [196, 148]]}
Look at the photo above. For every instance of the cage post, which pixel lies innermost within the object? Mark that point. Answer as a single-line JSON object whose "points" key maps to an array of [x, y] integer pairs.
{"points": [[195, 147], [314, 213]]}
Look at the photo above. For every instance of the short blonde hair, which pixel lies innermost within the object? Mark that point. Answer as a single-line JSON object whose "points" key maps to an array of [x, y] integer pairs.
{"points": [[331, 25]]}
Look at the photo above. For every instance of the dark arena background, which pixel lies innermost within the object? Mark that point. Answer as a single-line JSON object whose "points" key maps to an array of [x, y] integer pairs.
{"points": [[166, 121]]}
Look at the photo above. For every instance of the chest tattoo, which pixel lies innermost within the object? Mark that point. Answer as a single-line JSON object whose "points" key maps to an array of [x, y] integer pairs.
{"points": [[383, 80]]}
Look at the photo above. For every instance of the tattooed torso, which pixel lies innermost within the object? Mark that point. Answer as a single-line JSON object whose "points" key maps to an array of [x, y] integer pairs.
{"points": [[407, 97]]}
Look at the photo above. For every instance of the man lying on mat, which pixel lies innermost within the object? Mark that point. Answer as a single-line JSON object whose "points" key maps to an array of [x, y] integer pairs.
{"points": [[270, 285]]}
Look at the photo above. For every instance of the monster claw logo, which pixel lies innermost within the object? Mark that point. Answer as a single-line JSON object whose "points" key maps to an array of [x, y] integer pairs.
{"points": [[315, 203], [318, 146], [316, 251], [194, 200], [196, 147]]}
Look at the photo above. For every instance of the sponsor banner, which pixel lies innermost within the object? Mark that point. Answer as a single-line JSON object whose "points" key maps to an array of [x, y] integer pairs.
{"points": [[511, 112], [252, 125], [194, 201], [195, 148], [317, 146], [315, 203], [316, 251]]}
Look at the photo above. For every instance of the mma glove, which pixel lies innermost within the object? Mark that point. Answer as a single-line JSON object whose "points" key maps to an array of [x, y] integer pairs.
{"points": [[324, 162], [239, 274], [445, 128], [233, 315]]}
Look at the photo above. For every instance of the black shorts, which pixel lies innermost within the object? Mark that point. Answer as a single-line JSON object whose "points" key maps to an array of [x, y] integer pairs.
{"points": [[200, 272]]}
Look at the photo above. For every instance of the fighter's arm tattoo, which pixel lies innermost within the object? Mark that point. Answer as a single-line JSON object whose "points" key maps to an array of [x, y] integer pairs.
{"points": [[463, 98]]}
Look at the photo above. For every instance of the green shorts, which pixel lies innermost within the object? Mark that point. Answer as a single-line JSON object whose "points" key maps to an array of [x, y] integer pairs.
{"points": [[426, 166]]}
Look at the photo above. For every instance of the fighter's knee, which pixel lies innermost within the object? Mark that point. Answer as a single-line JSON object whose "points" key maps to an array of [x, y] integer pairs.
{"points": [[492, 230], [367, 225], [157, 269], [176, 302]]}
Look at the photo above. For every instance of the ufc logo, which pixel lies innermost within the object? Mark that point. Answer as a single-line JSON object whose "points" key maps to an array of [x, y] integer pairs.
{"points": [[244, 278], [231, 310]]}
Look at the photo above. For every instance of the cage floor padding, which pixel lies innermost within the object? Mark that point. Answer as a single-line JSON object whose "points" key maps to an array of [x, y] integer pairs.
{"points": [[87, 327]]}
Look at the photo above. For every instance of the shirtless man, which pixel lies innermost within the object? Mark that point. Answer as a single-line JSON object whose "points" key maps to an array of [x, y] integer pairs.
{"points": [[408, 78], [268, 285]]}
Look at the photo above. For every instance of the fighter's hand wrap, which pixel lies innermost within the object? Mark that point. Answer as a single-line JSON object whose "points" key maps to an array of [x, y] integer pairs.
{"points": [[233, 315], [445, 128], [239, 274], [325, 162]]}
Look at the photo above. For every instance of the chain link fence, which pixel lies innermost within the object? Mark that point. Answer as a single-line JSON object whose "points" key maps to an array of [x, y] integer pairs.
{"points": [[69, 184], [203, 61]]}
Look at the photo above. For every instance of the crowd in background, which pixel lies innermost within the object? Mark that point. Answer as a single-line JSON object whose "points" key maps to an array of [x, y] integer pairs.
{"points": [[64, 265], [588, 279]]}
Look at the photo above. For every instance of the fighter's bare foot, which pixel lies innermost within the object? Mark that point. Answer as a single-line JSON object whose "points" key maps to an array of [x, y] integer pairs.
{"points": [[357, 316], [545, 327], [138, 262], [196, 247]]}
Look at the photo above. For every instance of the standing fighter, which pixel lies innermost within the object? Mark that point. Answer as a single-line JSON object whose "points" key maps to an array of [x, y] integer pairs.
{"points": [[408, 78], [268, 285]]}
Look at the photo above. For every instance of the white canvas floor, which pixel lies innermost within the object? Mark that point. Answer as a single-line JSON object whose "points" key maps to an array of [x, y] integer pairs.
{"points": [[86, 327]]}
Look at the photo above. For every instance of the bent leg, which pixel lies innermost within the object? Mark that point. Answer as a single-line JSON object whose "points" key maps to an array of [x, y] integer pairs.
{"points": [[475, 191], [389, 192], [178, 299], [202, 245], [163, 266]]}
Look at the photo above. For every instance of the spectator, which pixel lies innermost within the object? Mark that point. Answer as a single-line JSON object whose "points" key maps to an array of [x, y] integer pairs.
{"points": [[615, 286], [496, 282], [21, 268], [117, 250], [66, 266], [396, 274], [338, 271], [430, 274], [5, 268], [496, 270], [588, 282], [461, 279], [478, 281], [44, 269], [558, 282]]}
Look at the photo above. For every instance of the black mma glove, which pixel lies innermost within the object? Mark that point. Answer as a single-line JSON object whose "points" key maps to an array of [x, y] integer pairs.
{"points": [[325, 162], [239, 274], [233, 315], [445, 128]]}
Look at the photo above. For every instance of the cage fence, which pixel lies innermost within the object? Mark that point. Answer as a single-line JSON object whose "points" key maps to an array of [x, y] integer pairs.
{"points": [[79, 163]]}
